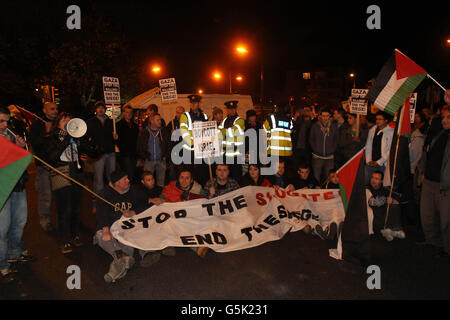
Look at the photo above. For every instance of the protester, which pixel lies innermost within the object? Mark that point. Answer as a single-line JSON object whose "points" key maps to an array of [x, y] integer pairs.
{"points": [[323, 139], [378, 145], [349, 141], [435, 197], [184, 189], [378, 199], [151, 110], [151, 147], [127, 132], [66, 154], [149, 191], [100, 135], [253, 177], [332, 181], [417, 140], [168, 131], [221, 184], [13, 215], [305, 180], [339, 116], [217, 115], [127, 203], [279, 179], [302, 126], [38, 131], [252, 140]]}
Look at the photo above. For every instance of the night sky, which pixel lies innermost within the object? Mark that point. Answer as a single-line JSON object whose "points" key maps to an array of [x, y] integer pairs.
{"points": [[192, 38]]}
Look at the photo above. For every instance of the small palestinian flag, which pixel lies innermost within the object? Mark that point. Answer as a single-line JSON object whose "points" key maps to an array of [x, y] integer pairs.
{"points": [[13, 162], [396, 81]]}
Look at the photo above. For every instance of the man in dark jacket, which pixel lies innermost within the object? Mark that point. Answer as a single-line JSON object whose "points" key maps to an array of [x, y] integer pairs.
{"points": [[127, 132], [167, 136], [323, 139], [100, 135], [151, 148], [38, 131]]}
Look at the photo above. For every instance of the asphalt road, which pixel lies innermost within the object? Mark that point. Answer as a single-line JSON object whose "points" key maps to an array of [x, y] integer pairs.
{"points": [[293, 268]]}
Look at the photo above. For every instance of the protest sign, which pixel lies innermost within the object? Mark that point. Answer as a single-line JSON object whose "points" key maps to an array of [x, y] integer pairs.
{"points": [[412, 105], [111, 90], [168, 90], [206, 140], [241, 219], [358, 104]]}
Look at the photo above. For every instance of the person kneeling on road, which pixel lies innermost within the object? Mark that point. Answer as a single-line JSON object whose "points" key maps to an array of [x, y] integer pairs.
{"points": [[126, 201]]}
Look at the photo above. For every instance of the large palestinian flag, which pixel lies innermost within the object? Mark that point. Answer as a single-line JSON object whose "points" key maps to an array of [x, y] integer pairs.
{"points": [[396, 81], [355, 233], [13, 162]]}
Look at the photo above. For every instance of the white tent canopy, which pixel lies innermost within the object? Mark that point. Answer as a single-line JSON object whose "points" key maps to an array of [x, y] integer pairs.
{"points": [[208, 102]]}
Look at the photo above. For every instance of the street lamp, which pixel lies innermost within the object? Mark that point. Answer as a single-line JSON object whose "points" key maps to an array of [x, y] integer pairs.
{"points": [[353, 76], [156, 69], [200, 91]]}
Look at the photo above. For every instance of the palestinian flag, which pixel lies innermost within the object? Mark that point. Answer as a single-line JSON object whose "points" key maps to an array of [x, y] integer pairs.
{"points": [[396, 81], [402, 168], [13, 162], [355, 233]]}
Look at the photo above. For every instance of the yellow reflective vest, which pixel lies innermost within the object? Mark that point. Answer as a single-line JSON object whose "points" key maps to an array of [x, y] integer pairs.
{"points": [[232, 129], [186, 121], [278, 130]]}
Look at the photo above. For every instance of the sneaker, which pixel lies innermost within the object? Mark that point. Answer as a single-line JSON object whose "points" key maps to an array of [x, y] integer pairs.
{"points": [[24, 257], [150, 259], [66, 248], [7, 275], [387, 234], [320, 232], [332, 232], [399, 234], [170, 251], [201, 252], [117, 270], [76, 242]]}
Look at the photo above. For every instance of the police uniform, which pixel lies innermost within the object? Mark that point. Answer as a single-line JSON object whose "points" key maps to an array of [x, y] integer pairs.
{"points": [[278, 129], [187, 120], [232, 129]]}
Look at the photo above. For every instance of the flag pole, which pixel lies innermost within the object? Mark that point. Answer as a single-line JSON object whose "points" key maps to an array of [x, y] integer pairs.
{"points": [[436, 82], [76, 182]]}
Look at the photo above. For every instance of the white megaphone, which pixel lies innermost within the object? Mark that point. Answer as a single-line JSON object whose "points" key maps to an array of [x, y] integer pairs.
{"points": [[76, 128]]}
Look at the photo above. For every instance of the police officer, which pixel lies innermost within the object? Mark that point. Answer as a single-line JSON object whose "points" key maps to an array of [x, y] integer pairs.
{"points": [[232, 128], [278, 129], [187, 120]]}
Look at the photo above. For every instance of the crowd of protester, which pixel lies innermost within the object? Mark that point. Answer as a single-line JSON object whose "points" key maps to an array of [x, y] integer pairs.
{"points": [[323, 140]]}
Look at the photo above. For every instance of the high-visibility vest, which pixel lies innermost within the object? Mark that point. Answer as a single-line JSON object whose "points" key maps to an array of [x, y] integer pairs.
{"points": [[186, 121], [278, 130], [232, 129]]}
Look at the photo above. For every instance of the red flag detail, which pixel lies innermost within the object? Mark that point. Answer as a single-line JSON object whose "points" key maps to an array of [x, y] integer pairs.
{"points": [[347, 173], [405, 67], [10, 152]]}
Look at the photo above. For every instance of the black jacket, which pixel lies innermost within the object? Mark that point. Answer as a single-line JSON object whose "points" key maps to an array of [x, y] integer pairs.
{"points": [[128, 135], [100, 136], [37, 138]]}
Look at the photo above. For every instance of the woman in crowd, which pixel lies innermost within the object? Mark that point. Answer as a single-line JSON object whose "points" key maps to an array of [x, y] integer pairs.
{"points": [[253, 177]]}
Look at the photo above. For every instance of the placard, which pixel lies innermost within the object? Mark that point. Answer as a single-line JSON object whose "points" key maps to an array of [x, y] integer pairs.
{"points": [[168, 90], [358, 104], [206, 140], [111, 90]]}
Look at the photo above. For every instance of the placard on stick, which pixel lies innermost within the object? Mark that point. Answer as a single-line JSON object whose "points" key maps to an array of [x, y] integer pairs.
{"points": [[111, 90], [206, 140], [358, 104], [168, 89]]}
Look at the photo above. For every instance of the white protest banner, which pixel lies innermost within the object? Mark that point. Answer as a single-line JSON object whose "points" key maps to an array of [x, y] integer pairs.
{"points": [[111, 90], [358, 104], [244, 218], [168, 89], [412, 106], [206, 139]]}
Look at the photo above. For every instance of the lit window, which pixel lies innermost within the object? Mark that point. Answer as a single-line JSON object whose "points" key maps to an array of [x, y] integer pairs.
{"points": [[306, 75]]}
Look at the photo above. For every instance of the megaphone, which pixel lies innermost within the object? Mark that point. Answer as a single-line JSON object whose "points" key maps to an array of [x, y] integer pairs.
{"points": [[76, 128]]}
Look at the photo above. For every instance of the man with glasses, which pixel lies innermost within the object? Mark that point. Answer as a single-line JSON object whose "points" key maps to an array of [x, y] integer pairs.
{"points": [[378, 145]]}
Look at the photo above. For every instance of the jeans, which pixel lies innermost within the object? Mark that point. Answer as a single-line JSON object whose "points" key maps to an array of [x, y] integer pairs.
{"points": [[368, 170], [321, 168], [128, 164], [435, 214], [44, 189], [108, 162], [68, 204], [159, 167], [112, 246], [13, 218]]}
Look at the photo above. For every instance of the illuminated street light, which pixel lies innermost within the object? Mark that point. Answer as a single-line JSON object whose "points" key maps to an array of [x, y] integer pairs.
{"points": [[200, 91], [217, 76], [241, 50], [239, 78], [156, 69]]}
